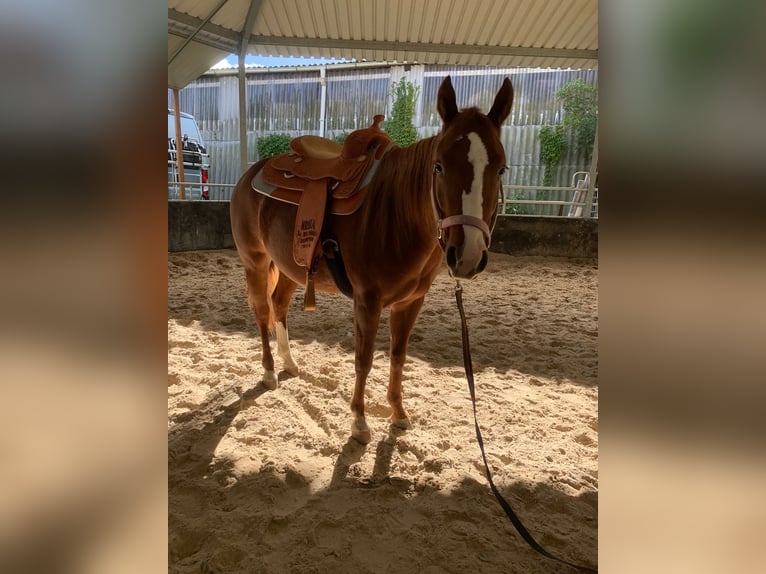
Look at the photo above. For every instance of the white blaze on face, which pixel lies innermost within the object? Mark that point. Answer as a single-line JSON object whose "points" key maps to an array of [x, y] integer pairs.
{"points": [[473, 202]]}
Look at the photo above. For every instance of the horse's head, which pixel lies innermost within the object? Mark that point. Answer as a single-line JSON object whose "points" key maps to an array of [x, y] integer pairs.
{"points": [[468, 163]]}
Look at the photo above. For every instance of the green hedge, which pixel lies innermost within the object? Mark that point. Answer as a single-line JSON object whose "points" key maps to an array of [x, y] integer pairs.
{"points": [[272, 145]]}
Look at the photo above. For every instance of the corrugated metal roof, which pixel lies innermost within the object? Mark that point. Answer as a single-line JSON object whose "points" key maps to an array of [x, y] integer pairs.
{"points": [[192, 62], [514, 33]]}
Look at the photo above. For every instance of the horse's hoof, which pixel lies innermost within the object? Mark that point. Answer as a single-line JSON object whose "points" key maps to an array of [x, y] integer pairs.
{"points": [[361, 436], [292, 369], [403, 424], [360, 431], [270, 380]]}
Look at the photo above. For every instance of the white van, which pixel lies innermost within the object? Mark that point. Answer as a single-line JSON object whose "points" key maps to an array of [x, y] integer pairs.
{"points": [[196, 159]]}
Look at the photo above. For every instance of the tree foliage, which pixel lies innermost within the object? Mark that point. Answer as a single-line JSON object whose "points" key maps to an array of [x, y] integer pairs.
{"points": [[401, 127], [551, 148], [580, 102]]}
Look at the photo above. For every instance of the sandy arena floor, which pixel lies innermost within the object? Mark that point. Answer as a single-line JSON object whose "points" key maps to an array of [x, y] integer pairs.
{"points": [[273, 483]]}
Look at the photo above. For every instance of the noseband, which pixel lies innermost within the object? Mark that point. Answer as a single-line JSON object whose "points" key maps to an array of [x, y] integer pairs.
{"points": [[461, 219], [443, 223]]}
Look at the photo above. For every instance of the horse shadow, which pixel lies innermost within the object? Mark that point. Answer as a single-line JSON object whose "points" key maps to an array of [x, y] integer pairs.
{"points": [[276, 514], [524, 354], [195, 435]]}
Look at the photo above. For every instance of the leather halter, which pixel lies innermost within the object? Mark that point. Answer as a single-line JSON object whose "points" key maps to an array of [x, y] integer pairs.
{"points": [[462, 219], [443, 223]]}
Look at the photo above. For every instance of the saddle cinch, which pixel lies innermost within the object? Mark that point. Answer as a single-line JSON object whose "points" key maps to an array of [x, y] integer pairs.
{"points": [[318, 170]]}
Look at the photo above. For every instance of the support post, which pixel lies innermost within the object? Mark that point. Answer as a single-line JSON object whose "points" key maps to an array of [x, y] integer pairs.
{"points": [[322, 101], [592, 178], [179, 142], [247, 29], [242, 115]]}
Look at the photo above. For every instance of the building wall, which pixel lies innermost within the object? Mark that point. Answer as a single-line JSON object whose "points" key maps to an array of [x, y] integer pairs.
{"points": [[289, 102]]}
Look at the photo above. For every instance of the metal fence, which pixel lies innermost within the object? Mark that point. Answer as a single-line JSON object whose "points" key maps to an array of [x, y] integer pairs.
{"points": [[577, 202], [577, 205], [288, 101]]}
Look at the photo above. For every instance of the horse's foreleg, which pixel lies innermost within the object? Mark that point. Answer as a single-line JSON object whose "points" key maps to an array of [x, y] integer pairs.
{"points": [[366, 319], [257, 279], [403, 318], [281, 302]]}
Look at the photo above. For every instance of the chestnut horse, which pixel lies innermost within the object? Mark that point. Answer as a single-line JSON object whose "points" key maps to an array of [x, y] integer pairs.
{"points": [[435, 197]]}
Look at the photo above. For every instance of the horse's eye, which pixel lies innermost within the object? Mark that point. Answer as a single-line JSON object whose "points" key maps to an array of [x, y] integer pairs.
{"points": [[438, 169], [502, 171]]}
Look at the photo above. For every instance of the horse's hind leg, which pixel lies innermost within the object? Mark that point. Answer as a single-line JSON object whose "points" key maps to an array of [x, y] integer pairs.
{"points": [[403, 318], [280, 303], [260, 279], [366, 319]]}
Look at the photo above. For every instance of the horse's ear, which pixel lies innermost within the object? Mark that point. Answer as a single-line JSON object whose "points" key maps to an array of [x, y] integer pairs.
{"points": [[445, 101], [501, 108]]}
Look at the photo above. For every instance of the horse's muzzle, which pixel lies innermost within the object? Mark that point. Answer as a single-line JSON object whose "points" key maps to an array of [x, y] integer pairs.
{"points": [[461, 268], [468, 259]]}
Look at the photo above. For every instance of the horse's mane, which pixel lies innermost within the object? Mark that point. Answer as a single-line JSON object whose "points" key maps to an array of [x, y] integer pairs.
{"points": [[400, 208]]}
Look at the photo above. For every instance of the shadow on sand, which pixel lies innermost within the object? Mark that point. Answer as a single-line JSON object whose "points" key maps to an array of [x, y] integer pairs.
{"points": [[266, 521]]}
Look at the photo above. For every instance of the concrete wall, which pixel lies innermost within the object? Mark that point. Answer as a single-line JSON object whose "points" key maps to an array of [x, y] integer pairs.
{"points": [[546, 236], [200, 225]]}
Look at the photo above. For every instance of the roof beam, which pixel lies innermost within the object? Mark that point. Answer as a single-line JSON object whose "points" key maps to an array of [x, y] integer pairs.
{"points": [[252, 12], [196, 31], [423, 47], [219, 44], [213, 29]]}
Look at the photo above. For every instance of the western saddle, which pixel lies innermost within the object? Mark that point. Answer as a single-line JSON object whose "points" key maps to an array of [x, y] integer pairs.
{"points": [[319, 175]]}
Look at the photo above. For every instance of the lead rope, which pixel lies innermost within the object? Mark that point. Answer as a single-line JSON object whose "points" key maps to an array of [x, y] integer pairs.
{"points": [[503, 503]]}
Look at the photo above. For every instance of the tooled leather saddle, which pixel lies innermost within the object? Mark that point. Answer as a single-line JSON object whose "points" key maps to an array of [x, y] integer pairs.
{"points": [[320, 176]]}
